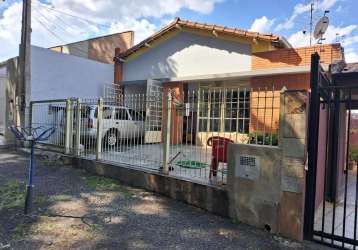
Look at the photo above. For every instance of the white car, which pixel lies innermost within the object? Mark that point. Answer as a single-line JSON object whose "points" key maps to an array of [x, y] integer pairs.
{"points": [[119, 122]]}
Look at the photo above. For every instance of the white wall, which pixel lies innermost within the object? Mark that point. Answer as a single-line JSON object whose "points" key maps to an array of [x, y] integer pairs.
{"points": [[188, 54], [3, 82], [56, 75]]}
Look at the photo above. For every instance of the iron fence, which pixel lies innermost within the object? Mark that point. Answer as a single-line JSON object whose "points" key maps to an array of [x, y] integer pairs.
{"points": [[180, 133]]}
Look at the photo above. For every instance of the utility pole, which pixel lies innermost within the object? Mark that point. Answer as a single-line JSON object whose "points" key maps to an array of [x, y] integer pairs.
{"points": [[23, 89]]}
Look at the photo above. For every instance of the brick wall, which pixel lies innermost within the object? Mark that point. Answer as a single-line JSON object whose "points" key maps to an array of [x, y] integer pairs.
{"points": [[290, 81], [296, 57], [265, 111]]}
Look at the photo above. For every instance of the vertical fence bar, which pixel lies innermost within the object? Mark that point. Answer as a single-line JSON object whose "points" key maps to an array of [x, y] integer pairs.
{"points": [[78, 127], [99, 129], [166, 142], [68, 126]]}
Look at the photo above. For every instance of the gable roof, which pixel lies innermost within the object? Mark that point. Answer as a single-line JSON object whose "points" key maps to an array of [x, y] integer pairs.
{"points": [[215, 29]]}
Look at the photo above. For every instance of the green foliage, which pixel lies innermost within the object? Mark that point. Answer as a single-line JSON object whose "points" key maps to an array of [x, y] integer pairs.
{"points": [[12, 195], [61, 197], [263, 138], [101, 183], [353, 152]]}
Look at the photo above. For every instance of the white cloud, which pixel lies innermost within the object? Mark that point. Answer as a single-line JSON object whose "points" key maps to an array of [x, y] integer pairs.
{"points": [[350, 40], [299, 39], [262, 24], [351, 57], [143, 28], [300, 9], [113, 16]]}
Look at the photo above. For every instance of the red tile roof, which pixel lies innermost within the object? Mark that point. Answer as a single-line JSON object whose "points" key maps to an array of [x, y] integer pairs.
{"points": [[179, 23]]}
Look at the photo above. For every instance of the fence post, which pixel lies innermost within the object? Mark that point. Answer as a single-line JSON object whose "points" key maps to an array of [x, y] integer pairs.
{"points": [[68, 124], [17, 112], [99, 129], [78, 127], [166, 138]]}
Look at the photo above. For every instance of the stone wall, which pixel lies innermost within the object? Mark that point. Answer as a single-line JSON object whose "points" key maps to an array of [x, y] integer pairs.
{"points": [[266, 184]]}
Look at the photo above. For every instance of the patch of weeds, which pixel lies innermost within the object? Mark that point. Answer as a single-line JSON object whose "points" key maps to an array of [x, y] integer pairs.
{"points": [[61, 197], [73, 230], [12, 195], [20, 231], [93, 231], [39, 199], [126, 193], [101, 183], [92, 228], [43, 227]]}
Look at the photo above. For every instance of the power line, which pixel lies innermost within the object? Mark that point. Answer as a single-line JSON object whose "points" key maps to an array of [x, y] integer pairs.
{"points": [[48, 29], [38, 10], [74, 16]]}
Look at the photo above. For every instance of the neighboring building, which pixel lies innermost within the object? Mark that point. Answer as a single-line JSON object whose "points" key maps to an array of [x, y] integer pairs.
{"points": [[99, 48], [192, 56], [53, 76]]}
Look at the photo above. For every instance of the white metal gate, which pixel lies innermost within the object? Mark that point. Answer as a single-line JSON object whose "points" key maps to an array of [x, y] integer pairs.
{"points": [[153, 120]]}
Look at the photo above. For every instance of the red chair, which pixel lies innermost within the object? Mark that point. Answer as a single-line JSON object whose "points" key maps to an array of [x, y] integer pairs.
{"points": [[218, 153]]}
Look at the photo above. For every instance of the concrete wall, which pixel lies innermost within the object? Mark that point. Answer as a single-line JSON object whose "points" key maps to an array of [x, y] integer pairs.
{"points": [[56, 75], [254, 192], [188, 54], [3, 83], [266, 184], [211, 198]]}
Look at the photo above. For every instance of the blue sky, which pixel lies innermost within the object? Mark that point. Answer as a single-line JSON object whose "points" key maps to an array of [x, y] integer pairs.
{"points": [[62, 21]]}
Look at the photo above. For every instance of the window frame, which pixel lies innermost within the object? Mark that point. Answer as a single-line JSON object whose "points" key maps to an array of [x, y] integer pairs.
{"points": [[242, 122]]}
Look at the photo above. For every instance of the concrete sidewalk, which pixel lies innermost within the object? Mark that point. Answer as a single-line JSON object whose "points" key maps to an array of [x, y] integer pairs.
{"points": [[73, 210]]}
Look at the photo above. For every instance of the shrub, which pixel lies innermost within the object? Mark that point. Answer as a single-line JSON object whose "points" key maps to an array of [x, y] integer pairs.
{"points": [[263, 138]]}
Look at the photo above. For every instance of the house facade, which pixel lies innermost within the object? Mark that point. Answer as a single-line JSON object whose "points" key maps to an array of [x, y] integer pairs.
{"points": [[220, 64]]}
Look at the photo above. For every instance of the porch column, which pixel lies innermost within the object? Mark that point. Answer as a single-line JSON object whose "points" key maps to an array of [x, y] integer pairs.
{"points": [[118, 67]]}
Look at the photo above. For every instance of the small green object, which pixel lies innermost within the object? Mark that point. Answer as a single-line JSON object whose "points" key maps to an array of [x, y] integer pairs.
{"points": [[191, 164]]}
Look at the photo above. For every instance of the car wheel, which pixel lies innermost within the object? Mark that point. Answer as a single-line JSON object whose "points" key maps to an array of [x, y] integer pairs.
{"points": [[111, 139]]}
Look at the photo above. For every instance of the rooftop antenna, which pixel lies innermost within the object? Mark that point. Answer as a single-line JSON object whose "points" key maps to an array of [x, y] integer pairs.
{"points": [[311, 22], [321, 27]]}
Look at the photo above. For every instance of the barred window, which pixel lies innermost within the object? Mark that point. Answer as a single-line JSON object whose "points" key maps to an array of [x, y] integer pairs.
{"points": [[224, 110]]}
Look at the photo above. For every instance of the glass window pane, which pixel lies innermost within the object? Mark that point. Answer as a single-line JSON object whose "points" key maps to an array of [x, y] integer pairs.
{"points": [[203, 125], [215, 125], [230, 125]]}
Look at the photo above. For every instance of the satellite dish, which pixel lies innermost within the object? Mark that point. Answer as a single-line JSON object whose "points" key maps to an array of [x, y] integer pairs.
{"points": [[321, 27]]}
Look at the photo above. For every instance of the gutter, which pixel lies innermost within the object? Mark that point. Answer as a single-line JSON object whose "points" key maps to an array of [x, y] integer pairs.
{"points": [[245, 74]]}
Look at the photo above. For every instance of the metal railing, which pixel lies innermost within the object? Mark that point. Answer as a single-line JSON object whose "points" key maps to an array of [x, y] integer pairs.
{"points": [[182, 134]]}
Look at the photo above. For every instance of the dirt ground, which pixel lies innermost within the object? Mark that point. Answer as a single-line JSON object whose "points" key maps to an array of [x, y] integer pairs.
{"points": [[73, 210]]}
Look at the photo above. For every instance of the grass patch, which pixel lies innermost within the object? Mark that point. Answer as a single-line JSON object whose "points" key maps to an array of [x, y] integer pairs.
{"points": [[20, 231], [61, 197], [12, 195], [101, 183]]}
